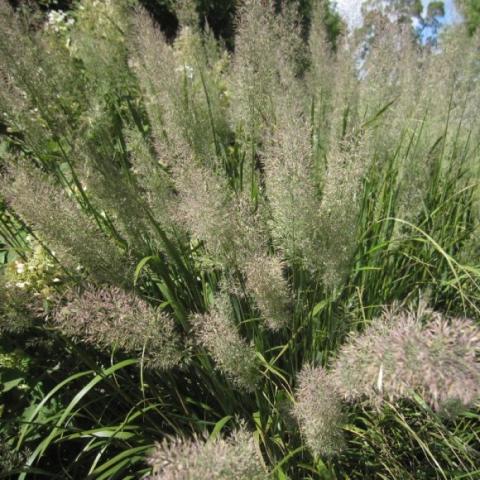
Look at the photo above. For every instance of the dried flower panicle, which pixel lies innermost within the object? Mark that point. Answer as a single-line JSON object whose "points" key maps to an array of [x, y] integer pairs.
{"points": [[205, 209], [339, 208], [267, 47], [155, 184], [66, 229], [234, 237], [209, 209], [254, 70], [218, 333], [322, 76], [293, 196], [232, 458], [187, 13], [153, 62], [266, 283], [113, 318], [341, 111], [403, 352], [18, 308], [189, 120], [112, 191], [318, 410]]}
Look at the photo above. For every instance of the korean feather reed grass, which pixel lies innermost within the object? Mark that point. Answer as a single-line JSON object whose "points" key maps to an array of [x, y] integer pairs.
{"points": [[237, 247]]}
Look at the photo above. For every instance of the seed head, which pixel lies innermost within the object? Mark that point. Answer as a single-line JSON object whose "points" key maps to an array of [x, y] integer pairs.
{"points": [[318, 410], [402, 353], [113, 318], [232, 458], [217, 332], [266, 282]]}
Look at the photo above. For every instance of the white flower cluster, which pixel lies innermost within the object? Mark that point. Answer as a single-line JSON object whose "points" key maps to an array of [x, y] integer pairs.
{"points": [[59, 21]]}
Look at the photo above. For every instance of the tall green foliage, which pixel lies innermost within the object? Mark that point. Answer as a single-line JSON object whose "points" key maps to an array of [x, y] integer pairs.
{"points": [[472, 13]]}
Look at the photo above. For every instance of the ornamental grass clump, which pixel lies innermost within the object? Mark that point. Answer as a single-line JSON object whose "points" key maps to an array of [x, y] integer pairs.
{"points": [[111, 318], [233, 458], [403, 353], [225, 218]]}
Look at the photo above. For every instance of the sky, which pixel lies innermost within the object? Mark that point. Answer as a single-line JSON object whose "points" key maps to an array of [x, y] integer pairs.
{"points": [[351, 11]]}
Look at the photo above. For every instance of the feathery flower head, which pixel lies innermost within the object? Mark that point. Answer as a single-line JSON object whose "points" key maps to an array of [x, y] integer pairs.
{"points": [[341, 193], [65, 228], [266, 282], [290, 185], [217, 332], [186, 13], [404, 352], [318, 410], [232, 458], [212, 213], [110, 317], [267, 49]]}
